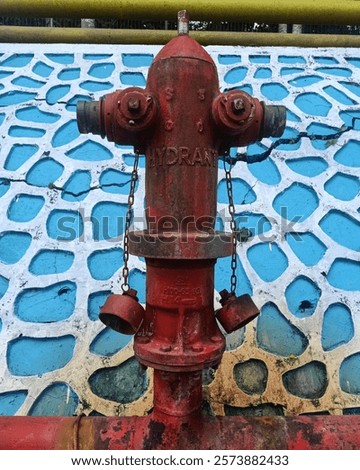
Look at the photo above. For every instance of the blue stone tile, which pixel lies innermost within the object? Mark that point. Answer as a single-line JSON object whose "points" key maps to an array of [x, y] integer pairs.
{"points": [[13, 246], [268, 260], [25, 207], [302, 296], [46, 304], [33, 356], [276, 335], [10, 402], [337, 327], [59, 399], [51, 262], [349, 374]]}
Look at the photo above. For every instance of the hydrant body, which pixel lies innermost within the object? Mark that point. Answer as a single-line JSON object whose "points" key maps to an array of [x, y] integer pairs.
{"points": [[182, 122]]}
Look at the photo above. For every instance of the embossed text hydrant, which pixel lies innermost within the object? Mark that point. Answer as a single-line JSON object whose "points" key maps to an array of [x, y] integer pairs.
{"points": [[183, 125]]}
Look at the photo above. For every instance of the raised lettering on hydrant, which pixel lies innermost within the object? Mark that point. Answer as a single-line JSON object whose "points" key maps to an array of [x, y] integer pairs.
{"points": [[182, 123]]}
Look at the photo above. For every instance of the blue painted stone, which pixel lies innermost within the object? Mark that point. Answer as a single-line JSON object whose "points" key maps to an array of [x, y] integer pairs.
{"points": [[251, 376], [90, 151], [265, 171], [274, 91], [259, 59], [313, 104], [64, 225], [296, 203], [59, 399], [263, 72], [91, 85], [290, 116], [235, 75], [345, 274], [123, 384], [339, 96], [302, 297], [305, 80], [351, 411], [309, 381], [4, 186], [13, 246], [235, 339], [326, 60], [51, 262], [353, 87], [337, 328], [290, 71], [95, 301], [342, 186], [77, 187], [128, 159], [348, 155], [34, 356], [103, 264], [247, 88], [355, 61], [275, 333], [227, 59], [2, 118], [18, 155], [257, 224], [307, 166], [108, 342], [342, 228], [5, 74], [25, 207], [66, 133], [306, 246], [27, 82], [137, 60], [243, 193], [10, 402], [289, 133], [102, 70], [15, 97], [46, 304], [351, 119], [108, 220], [34, 114], [17, 60], [288, 59], [137, 280], [69, 74], [56, 93], [132, 79], [61, 58], [42, 69], [44, 172], [222, 275], [349, 374], [115, 182], [337, 71], [316, 129], [30, 132], [268, 260], [4, 284]]}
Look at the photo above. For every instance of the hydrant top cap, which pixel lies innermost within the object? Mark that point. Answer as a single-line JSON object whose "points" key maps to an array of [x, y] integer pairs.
{"points": [[183, 46]]}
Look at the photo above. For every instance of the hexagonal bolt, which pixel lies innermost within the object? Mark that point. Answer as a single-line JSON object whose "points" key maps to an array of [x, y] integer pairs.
{"points": [[238, 105], [133, 104]]}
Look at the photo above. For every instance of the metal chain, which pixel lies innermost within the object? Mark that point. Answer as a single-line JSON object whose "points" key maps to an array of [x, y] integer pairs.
{"points": [[229, 187], [129, 214]]}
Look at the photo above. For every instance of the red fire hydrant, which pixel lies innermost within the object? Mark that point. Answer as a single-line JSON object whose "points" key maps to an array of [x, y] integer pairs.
{"points": [[183, 124]]}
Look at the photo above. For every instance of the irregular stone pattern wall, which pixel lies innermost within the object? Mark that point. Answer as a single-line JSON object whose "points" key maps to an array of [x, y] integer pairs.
{"points": [[63, 199]]}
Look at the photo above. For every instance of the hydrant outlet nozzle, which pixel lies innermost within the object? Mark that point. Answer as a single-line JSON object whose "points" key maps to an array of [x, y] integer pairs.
{"points": [[274, 121], [88, 116]]}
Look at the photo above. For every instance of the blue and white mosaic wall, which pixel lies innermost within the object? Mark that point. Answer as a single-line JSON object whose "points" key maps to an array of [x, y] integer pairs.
{"points": [[63, 199]]}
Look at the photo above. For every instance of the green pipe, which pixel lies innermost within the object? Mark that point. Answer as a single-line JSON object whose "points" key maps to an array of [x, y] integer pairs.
{"points": [[27, 34], [266, 11]]}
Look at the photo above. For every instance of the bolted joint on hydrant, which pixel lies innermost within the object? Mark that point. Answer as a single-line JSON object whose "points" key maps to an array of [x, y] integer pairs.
{"points": [[182, 123]]}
